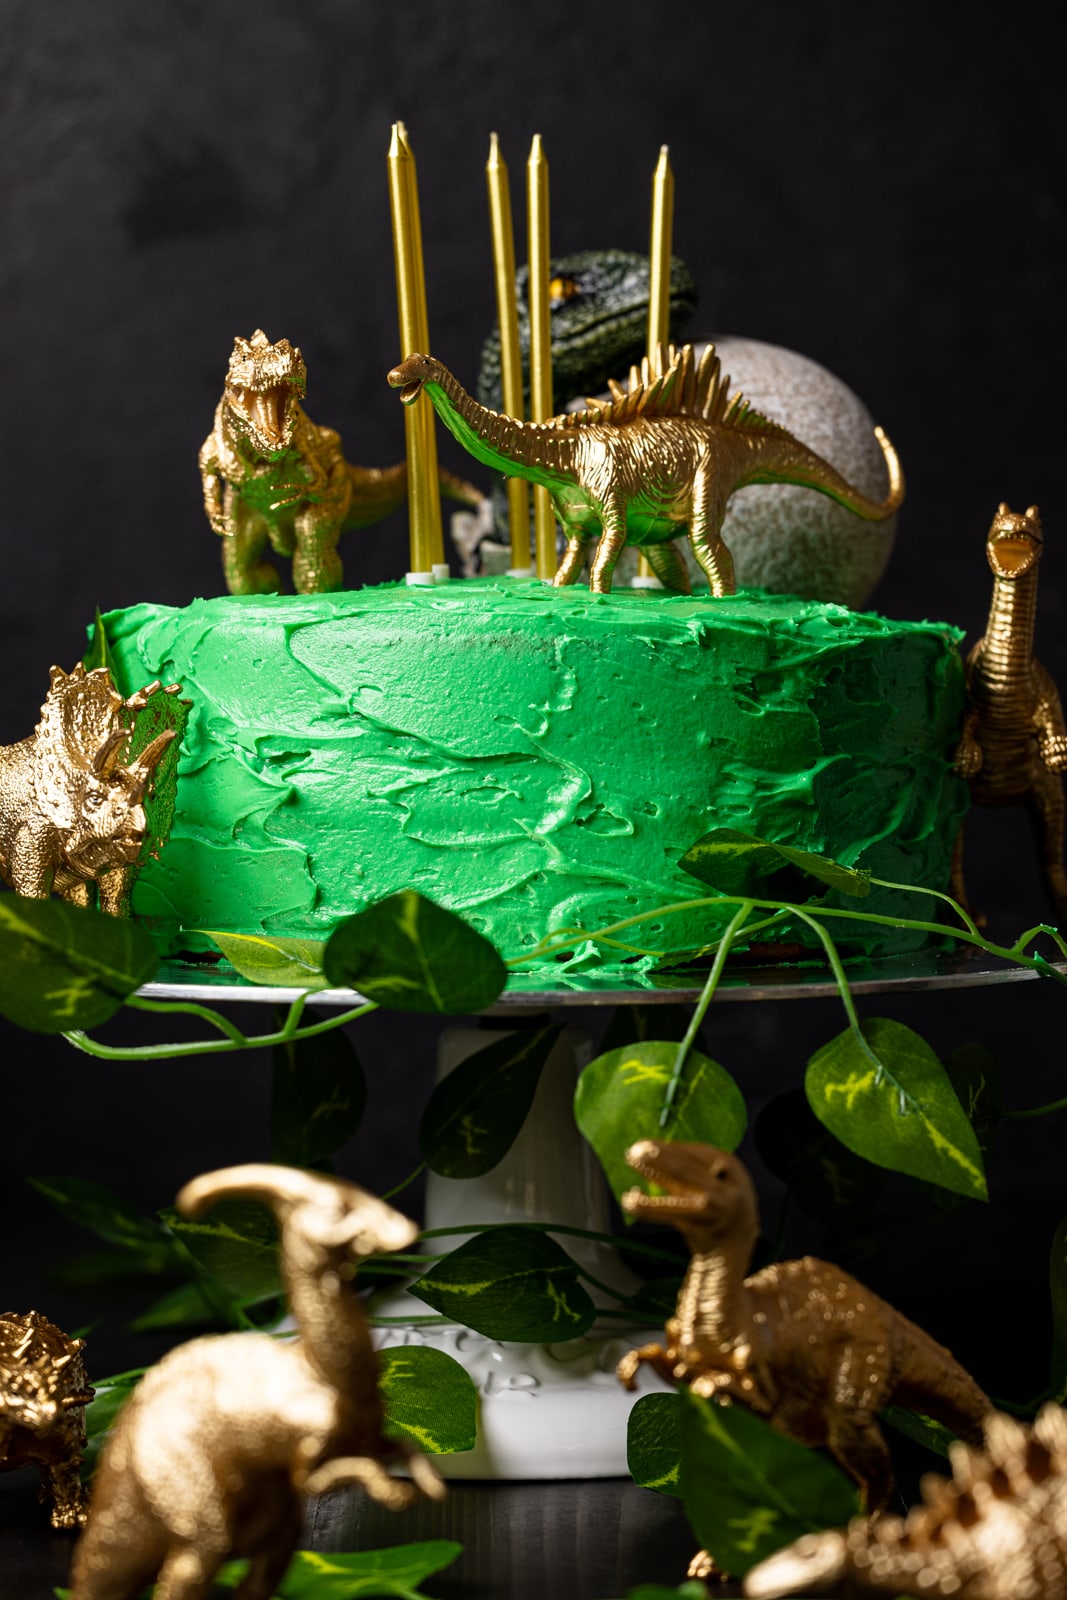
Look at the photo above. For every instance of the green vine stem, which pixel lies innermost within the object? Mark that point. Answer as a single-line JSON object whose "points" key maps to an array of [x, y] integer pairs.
{"points": [[1035, 1111], [734, 927], [288, 1033]]}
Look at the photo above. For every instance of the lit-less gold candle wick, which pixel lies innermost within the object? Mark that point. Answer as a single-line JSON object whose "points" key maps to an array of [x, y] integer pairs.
{"points": [[659, 278], [424, 507], [540, 342], [496, 176]]}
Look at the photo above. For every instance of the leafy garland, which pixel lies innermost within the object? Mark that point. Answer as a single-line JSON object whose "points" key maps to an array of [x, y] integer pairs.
{"points": [[877, 1096]]}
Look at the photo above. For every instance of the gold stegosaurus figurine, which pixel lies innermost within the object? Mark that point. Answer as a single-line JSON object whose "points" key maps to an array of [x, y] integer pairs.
{"points": [[996, 1530], [660, 459]]}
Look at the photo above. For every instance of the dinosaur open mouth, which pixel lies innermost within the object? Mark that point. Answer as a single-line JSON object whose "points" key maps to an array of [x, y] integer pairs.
{"points": [[266, 411], [1010, 556], [679, 1195]]}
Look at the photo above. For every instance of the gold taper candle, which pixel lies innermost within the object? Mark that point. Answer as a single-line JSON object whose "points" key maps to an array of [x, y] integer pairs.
{"points": [[540, 341], [424, 507], [659, 275], [496, 177]]}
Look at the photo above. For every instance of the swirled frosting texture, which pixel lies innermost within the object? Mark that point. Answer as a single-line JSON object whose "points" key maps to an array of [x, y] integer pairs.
{"points": [[535, 757]]}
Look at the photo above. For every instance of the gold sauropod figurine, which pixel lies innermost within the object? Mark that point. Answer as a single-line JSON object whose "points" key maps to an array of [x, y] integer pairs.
{"points": [[43, 1395], [661, 458], [995, 1530], [215, 1452], [270, 473], [1014, 744], [800, 1343], [71, 814]]}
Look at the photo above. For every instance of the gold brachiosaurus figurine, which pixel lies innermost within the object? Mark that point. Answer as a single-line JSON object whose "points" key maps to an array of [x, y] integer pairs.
{"points": [[221, 1442], [1014, 744]]}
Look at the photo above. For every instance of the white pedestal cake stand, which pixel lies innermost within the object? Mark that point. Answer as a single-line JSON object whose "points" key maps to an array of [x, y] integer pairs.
{"points": [[557, 1411]]}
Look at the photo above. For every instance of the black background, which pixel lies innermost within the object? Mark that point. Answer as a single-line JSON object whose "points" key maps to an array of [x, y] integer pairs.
{"points": [[879, 187]]}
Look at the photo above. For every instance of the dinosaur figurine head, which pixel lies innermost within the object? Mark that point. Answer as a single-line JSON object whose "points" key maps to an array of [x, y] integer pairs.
{"points": [[411, 374], [264, 383], [708, 1193], [1013, 544], [95, 803]]}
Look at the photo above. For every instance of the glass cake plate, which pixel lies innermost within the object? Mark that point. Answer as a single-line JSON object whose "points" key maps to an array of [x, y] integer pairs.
{"points": [[928, 969]]}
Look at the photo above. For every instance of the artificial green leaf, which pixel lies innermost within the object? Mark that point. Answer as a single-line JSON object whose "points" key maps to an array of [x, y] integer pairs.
{"points": [[318, 1094], [1057, 1275], [636, 1024], [408, 954], [235, 1243], [510, 1283], [923, 1429], [102, 1411], [344, 1575], [66, 967], [693, 1590], [621, 1095], [429, 1399], [739, 863], [748, 1490], [826, 1181], [973, 1073], [656, 1298], [103, 1212], [99, 652], [652, 1448], [276, 963], [474, 1115], [187, 1305], [882, 1091]]}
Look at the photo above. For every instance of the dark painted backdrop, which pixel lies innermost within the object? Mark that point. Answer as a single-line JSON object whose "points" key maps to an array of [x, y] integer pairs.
{"points": [[879, 187]]}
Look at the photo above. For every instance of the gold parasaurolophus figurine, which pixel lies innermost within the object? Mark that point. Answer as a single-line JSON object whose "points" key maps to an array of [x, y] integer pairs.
{"points": [[71, 812], [271, 474], [661, 458], [215, 1452], [1014, 744]]}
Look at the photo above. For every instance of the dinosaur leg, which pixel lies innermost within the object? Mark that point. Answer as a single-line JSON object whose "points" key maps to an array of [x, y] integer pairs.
{"points": [[667, 564], [188, 1573], [242, 551], [654, 1355], [610, 548], [316, 565], [113, 891], [266, 1569], [390, 1492], [61, 1485], [705, 521], [855, 1442], [1047, 809], [1048, 721], [570, 568]]}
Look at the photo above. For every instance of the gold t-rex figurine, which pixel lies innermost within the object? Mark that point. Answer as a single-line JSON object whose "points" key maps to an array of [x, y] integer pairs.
{"points": [[213, 1455], [801, 1343], [270, 473], [1014, 744], [661, 458]]}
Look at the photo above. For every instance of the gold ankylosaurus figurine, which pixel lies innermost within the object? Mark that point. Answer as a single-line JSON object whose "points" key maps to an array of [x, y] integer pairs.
{"points": [[43, 1395], [71, 814], [271, 474], [801, 1343], [997, 1530], [1014, 744], [661, 458]]}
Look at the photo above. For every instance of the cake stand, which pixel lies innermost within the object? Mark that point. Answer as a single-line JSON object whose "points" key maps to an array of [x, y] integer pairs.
{"points": [[557, 1411]]}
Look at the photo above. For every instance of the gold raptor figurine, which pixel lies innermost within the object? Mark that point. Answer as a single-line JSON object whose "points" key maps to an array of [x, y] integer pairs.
{"points": [[43, 1395], [1014, 744], [213, 1455], [800, 1343], [661, 458], [71, 814], [996, 1530], [271, 474]]}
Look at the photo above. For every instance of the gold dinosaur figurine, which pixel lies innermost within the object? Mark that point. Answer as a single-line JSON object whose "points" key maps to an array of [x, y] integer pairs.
{"points": [[215, 1452], [661, 458], [800, 1343], [996, 1530], [71, 814], [270, 473], [43, 1395], [1014, 744]]}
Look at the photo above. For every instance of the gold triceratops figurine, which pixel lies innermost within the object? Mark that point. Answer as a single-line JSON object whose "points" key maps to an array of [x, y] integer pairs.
{"points": [[1014, 744], [43, 1395], [71, 813], [218, 1447], [271, 474]]}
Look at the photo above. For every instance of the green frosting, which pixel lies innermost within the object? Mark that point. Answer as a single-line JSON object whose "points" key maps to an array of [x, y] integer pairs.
{"points": [[536, 757]]}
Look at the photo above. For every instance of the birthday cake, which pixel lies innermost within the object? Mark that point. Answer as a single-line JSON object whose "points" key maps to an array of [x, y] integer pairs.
{"points": [[537, 758]]}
